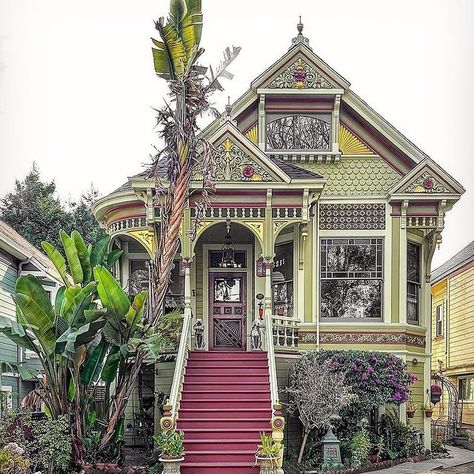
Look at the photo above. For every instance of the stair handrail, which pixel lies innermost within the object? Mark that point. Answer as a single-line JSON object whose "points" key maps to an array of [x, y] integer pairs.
{"points": [[271, 358], [181, 357]]}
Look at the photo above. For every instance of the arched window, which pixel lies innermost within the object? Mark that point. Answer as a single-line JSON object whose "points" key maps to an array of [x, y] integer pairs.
{"points": [[298, 132]]}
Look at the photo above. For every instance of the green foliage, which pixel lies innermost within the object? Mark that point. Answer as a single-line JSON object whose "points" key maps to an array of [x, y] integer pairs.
{"points": [[11, 463], [170, 443], [401, 440], [330, 465], [267, 447], [46, 442], [359, 447], [37, 214]]}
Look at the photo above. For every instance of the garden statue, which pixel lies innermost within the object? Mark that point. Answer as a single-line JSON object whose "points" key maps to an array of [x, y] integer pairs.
{"points": [[199, 335], [256, 334], [331, 448]]}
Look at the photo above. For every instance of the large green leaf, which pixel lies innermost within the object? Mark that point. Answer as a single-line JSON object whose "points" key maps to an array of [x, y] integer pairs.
{"points": [[93, 365], [113, 256], [58, 261], [16, 333], [30, 285], [71, 391], [26, 373], [191, 28], [79, 337], [38, 321], [72, 257], [111, 294], [99, 251], [135, 313], [76, 301], [109, 371], [83, 255]]}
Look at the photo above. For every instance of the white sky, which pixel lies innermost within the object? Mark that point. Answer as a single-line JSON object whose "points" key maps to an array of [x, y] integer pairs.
{"points": [[77, 84]]}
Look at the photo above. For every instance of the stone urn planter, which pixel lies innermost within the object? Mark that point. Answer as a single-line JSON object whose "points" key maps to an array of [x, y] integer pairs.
{"points": [[171, 465], [268, 465]]}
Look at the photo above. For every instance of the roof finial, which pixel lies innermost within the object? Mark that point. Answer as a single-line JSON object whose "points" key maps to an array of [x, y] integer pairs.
{"points": [[300, 39], [300, 27], [228, 108]]}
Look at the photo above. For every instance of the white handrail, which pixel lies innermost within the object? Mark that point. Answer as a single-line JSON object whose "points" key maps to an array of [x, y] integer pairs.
{"points": [[271, 358], [178, 376]]}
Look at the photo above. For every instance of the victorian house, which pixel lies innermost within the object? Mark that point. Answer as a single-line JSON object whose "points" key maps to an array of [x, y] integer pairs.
{"points": [[320, 235]]}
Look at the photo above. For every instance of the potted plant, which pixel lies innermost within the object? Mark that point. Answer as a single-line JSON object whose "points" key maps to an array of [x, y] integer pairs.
{"points": [[411, 408], [435, 393], [428, 410], [267, 455], [377, 449], [460, 437], [170, 445]]}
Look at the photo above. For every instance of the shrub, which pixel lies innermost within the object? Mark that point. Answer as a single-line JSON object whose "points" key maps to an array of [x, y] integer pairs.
{"points": [[359, 447], [170, 443], [12, 463]]}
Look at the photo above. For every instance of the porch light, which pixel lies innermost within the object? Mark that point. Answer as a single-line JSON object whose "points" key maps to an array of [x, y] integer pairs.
{"points": [[227, 260]]}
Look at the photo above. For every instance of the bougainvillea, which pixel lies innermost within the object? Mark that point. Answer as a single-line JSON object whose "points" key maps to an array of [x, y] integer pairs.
{"points": [[376, 378]]}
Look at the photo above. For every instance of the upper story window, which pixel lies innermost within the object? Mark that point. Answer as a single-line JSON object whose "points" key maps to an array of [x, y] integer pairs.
{"points": [[351, 278], [439, 319], [298, 132], [413, 283]]}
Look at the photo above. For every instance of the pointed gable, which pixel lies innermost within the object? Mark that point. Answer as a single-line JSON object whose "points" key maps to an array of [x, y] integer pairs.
{"points": [[427, 178]]}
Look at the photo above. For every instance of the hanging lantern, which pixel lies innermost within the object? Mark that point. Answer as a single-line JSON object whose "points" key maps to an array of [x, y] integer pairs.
{"points": [[227, 260]]}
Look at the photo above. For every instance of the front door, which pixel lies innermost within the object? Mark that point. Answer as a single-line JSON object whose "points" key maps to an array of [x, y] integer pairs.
{"points": [[227, 310]]}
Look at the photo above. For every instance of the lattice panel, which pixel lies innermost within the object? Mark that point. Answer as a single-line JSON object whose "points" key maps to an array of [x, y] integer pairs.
{"points": [[228, 333], [352, 216]]}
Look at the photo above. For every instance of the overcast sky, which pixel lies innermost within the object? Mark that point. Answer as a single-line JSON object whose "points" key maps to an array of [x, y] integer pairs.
{"points": [[77, 85]]}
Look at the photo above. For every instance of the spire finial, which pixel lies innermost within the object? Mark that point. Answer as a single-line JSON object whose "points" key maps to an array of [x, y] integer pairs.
{"points": [[300, 39], [300, 27], [228, 108]]}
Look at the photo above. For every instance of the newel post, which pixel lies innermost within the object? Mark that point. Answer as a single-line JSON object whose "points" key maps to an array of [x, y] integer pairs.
{"points": [[278, 425], [167, 421]]}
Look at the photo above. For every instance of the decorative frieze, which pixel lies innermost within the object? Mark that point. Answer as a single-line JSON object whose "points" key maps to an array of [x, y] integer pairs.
{"points": [[352, 216], [124, 224], [363, 338], [300, 75], [232, 212], [427, 183]]}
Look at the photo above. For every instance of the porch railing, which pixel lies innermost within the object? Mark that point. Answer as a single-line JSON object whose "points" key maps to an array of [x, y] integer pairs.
{"points": [[285, 332]]}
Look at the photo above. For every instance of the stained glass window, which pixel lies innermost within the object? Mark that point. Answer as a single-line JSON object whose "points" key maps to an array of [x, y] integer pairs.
{"points": [[351, 278], [413, 283], [298, 132]]}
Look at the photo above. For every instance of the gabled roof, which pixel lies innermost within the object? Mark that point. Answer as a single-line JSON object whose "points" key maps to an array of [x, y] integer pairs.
{"points": [[465, 256], [427, 178]]}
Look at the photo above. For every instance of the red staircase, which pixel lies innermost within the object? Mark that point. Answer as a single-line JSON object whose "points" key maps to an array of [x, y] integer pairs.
{"points": [[225, 404]]}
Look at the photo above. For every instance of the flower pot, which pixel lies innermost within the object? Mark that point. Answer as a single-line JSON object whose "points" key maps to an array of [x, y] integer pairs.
{"points": [[435, 398], [267, 465], [171, 465], [428, 413], [410, 413]]}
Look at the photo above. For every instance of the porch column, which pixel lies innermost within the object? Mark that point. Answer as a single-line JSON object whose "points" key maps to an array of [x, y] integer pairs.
{"points": [[268, 263], [187, 262], [402, 307]]}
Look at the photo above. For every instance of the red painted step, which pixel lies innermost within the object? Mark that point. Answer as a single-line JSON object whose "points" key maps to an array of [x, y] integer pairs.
{"points": [[225, 404]]}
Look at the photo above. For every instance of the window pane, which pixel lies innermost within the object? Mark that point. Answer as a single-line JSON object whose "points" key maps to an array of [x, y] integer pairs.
{"points": [[351, 258], [351, 298], [227, 289], [282, 280], [412, 302], [466, 389], [215, 258], [298, 133], [413, 263]]}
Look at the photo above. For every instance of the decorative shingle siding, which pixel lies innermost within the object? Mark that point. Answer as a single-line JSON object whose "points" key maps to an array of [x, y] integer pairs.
{"points": [[8, 275], [355, 176]]}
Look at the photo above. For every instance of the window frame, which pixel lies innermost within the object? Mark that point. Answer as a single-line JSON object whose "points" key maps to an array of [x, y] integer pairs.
{"points": [[287, 281], [416, 284], [381, 278], [439, 318], [460, 380]]}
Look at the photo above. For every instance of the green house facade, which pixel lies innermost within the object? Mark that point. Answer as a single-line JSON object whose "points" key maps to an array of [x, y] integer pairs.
{"points": [[323, 226]]}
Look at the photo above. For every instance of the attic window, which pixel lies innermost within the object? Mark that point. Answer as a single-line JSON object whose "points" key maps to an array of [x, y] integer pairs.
{"points": [[298, 132]]}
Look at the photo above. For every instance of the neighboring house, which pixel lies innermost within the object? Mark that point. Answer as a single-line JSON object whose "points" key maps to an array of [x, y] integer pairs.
{"points": [[18, 257], [324, 221], [453, 330]]}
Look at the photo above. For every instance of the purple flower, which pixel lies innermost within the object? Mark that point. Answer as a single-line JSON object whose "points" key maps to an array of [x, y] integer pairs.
{"points": [[370, 370], [397, 396]]}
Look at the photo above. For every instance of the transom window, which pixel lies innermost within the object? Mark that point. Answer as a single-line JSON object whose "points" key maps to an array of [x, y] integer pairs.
{"points": [[298, 132], [413, 283], [351, 278]]}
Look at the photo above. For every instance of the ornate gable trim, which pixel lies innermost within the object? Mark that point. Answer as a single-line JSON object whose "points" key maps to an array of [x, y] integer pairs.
{"points": [[427, 178], [300, 75], [300, 68], [240, 160], [350, 144]]}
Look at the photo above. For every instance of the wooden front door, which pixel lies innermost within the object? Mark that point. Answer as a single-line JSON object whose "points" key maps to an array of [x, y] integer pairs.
{"points": [[227, 310]]}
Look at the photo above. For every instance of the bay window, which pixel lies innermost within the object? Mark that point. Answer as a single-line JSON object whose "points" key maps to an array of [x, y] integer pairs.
{"points": [[413, 283], [351, 278]]}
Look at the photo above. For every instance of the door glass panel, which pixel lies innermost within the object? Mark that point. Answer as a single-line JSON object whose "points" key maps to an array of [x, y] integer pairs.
{"points": [[228, 290]]}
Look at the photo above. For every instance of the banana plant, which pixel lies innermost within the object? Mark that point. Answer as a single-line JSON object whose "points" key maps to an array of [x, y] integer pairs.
{"points": [[82, 339]]}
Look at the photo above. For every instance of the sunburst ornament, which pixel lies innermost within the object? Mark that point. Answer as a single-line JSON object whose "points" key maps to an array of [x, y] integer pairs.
{"points": [[349, 144]]}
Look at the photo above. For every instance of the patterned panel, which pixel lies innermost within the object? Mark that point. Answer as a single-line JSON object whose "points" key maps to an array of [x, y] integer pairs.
{"points": [[355, 176], [300, 75], [363, 338], [352, 216], [228, 333]]}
